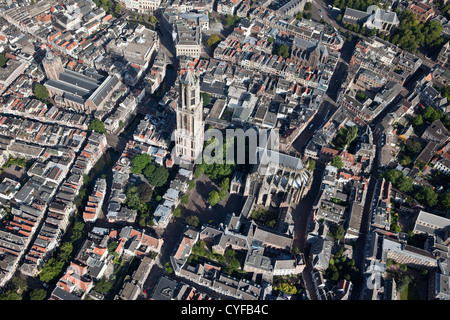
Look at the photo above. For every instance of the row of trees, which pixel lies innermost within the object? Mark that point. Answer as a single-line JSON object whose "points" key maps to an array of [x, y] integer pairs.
{"points": [[341, 267], [17, 289], [109, 6], [231, 21], [229, 260], [410, 34], [356, 4], [54, 266], [422, 194], [304, 13]]}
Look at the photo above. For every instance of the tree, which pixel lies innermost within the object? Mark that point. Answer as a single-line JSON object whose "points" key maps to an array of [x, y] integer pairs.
{"points": [[199, 170], [19, 284], [283, 51], [103, 286], [145, 192], [213, 198], [308, 16], [3, 60], [139, 162], [184, 199], [231, 20], [51, 270], [337, 162], [339, 17], [10, 295], [308, 6], [38, 294], [270, 40], [65, 250], [405, 184], [413, 146], [213, 40], [428, 195], [177, 212], [132, 200], [192, 184], [148, 170], [77, 231], [225, 184], [286, 287], [153, 19], [97, 126], [193, 221], [338, 232], [311, 164], [40, 92], [445, 200], [417, 121], [222, 194], [352, 133], [112, 246], [405, 160], [159, 176], [118, 8]]}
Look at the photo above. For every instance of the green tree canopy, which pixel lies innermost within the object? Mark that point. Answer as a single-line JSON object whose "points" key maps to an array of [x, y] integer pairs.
{"points": [[213, 40], [413, 146], [40, 92], [132, 200], [3, 60], [193, 221], [38, 294], [283, 51], [428, 195], [159, 176], [51, 270], [225, 184], [144, 192], [65, 250], [213, 198], [311, 164], [10, 295], [139, 162], [417, 121], [103, 286], [118, 8], [338, 232], [97, 126], [337, 162], [184, 200]]}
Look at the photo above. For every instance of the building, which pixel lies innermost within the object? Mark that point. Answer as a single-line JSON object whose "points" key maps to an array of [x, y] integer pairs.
{"points": [[190, 131], [135, 45], [87, 91], [8, 74], [188, 41], [421, 10]]}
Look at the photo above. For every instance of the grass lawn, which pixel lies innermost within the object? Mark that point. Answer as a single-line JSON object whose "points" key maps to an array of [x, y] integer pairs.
{"points": [[410, 293]]}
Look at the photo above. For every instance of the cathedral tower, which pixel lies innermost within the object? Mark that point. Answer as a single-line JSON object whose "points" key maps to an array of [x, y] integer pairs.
{"points": [[52, 65], [189, 133]]}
